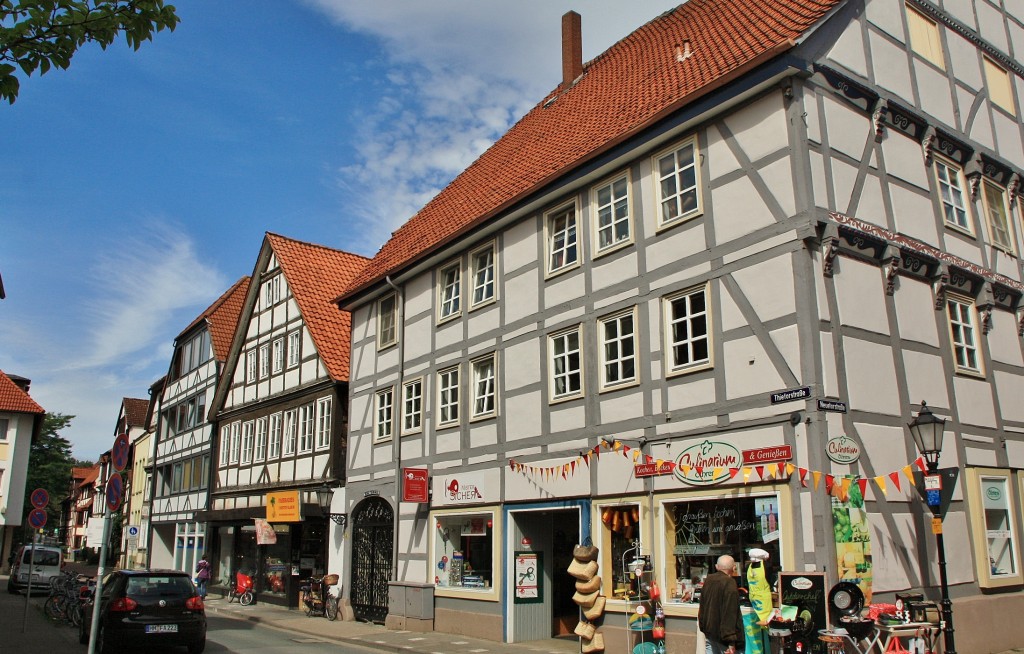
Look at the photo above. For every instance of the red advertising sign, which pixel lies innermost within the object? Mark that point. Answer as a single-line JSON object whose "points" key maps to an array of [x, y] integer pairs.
{"points": [[415, 485], [653, 469], [768, 454]]}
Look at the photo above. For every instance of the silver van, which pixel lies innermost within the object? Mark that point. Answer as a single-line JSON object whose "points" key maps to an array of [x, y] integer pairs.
{"points": [[45, 564]]}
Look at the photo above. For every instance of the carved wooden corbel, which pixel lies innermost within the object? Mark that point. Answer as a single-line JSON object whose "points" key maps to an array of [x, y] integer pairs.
{"points": [[927, 143], [986, 301], [939, 284], [972, 171], [878, 118], [1013, 188], [891, 261], [1020, 324], [830, 246]]}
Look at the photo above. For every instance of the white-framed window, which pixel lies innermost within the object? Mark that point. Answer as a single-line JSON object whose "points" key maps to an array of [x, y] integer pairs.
{"points": [[323, 424], [250, 365], [678, 179], [993, 199], [618, 349], [993, 510], [278, 355], [566, 377], [387, 321], [449, 291], [307, 419], [236, 441], [924, 37], [272, 291], [484, 392], [274, 442], [264, 362], [248, 430], [261, 439], [950, 179], [481, 264], [225, 445], [688, 330], [293, 349], [412, 406], [963, 334], [614, 222], [561, 226], [291, 430], [448, 397], [1000, 88], [384, 414]]}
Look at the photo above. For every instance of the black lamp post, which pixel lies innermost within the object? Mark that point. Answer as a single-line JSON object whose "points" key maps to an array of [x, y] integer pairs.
{"points": [[324, 494], [927, 431]]}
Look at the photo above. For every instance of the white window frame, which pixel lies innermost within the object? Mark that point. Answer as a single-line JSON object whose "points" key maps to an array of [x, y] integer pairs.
{"points": [[949, 178], [262, 425], [387, 334], [412, 406], [250, 365], [607, 218], [248, 440], [448, 396], [483, 276], [962, 318], [278, 355], [997, 216], [272, 291], [324, 407], [562, 250], [678, 170], [236, 441], [291, 431], [307, 425], [671, 365], [999, 84], [384, 414], [561, 351], [264, 361], [618, 340], [485, 386], [976, 482], [294, 348], [924, 37], [274, 442], [225, 445], [449, 291]]}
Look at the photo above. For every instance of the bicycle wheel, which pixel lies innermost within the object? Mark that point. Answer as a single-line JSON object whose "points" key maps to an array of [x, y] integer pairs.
{"points": [[331, 608], [51, 608], [246, 598], [75, 614]]}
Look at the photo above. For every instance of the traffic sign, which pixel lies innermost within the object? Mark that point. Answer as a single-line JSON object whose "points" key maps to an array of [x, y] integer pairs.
{"points": [[119, 453], [37, 518], [115, 491], [40, 498]]}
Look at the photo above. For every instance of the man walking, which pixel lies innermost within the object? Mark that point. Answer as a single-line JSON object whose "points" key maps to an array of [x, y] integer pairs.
{"points": [[719, 614]]}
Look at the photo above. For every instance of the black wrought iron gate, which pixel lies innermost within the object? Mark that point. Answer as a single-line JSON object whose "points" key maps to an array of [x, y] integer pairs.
{"points": [[372, 532]]}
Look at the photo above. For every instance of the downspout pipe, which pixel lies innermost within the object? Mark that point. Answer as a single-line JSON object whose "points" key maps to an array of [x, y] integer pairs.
{"points": [[396, 437]]}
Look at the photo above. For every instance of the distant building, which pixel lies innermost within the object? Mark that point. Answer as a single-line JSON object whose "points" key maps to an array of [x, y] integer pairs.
{"points": [[21, 420]]}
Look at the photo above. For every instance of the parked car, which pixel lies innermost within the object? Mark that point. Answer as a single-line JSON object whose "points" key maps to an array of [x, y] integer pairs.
{"points": [[142, 608], [45, 563]]}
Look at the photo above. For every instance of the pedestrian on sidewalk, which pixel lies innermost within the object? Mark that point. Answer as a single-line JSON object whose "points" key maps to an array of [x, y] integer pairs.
{"points": [[719, 615], [202, 575]]}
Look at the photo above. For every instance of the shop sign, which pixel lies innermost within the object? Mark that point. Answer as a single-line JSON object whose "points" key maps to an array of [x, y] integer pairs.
{"points": [[415, 485], [791, 395], [696, 464], [284, 506], [842, 449], [653, 469], [768, 454], [460, 489]]}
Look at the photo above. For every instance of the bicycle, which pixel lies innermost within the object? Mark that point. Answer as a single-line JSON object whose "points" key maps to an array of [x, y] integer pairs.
{"points": [[66, 595], [316, 595], [241, 588]]}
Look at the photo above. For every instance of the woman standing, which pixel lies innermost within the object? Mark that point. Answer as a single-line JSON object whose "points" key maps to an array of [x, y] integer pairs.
{"points": [[202, 575]]}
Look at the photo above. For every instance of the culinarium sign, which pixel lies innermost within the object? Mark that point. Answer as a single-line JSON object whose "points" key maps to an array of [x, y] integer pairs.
{"points": [[704, 463]]}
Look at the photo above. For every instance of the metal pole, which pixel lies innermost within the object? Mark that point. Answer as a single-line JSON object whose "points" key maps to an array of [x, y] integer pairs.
{"points": [[949, 646], [28, 589], [100, 571]]}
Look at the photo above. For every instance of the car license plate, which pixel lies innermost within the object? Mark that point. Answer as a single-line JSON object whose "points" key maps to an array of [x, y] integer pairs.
{"points": [[161, 628]]}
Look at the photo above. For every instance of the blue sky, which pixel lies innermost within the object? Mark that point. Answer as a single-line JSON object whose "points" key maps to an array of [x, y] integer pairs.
{"points": [[138, 185]]}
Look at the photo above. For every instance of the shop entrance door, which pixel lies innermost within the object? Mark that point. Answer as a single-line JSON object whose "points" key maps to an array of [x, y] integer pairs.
{"points": [[372, 531], [552, 533]]}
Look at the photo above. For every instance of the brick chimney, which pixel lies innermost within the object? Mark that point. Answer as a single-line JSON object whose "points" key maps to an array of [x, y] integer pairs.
{"points": [[572, 48]]}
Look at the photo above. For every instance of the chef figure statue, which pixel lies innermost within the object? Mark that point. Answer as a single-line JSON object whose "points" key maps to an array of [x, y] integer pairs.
{"points": [[760, 595]]}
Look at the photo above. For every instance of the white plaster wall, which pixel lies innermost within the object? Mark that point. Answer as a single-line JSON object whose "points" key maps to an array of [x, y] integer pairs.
{"points": [[778, 176], [915, 311], [830, 379], [974, 401], [527, 422], [963, 12], [936, 99], [617, 406], [520, 364], [980, 128], [819, 185], [418, 337], [521, 296], [1010, 390], [848, 129], [926, 378], [729, 316], [871, 376], [692, 392], [870, 202], [721, 160], [419, 295], [1003, 342], [748, 370], [963, 60], [760, 127], [483, 321], [886, 450], [860, 295], [964, 246], [567, 416], [991, 25], [1008, 139], [913, 214], [890, 64], [768, 287], [893, 543], [887, 16], [519, 245], [843, 178], [739, 210], [848, 50], [483, 434], [608, 271]]}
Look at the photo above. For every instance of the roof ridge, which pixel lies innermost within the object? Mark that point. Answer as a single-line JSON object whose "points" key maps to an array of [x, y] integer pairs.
{"points": [[315, 245]]}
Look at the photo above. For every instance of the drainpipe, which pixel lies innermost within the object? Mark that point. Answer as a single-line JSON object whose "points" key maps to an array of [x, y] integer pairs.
{"points": [[397, 435]]}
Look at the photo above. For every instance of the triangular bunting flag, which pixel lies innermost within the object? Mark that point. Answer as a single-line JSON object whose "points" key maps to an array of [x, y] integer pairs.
{"points": [[686, 470], [760, 471], [846, 485], [648, 459], [862, 482], [790, 468], [920, 464], [716, 473], [895, 476], [512, 464], [769, 471], [908, 471], [746, 474], [699, 469], [733, 472], [817, 478], [572, 467], [616, 445], [880, 481], [625, 450], [586, 459], [636, 455], [597, 451], [803, 476]]}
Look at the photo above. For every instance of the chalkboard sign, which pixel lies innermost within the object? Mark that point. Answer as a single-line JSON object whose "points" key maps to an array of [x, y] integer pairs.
{"points": [[806, 591]]}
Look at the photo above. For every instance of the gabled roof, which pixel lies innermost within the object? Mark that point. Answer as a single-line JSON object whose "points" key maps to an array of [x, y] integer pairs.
{"points": [[135, 411], [638, 81], [14, 399], [222, 317], [91, 475], [316, 275]]}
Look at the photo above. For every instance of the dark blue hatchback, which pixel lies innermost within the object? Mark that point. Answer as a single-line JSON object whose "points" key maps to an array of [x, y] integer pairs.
{"points": [[141, 608]]}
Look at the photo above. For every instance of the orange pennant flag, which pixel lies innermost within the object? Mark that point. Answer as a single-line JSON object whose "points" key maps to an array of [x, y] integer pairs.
{"points": [[846, 485], [817, 478], [880, 481], [895, 476], [616, 445], [636, 455], [790, 468], [746, 474], [909, 472], [715, 473]]}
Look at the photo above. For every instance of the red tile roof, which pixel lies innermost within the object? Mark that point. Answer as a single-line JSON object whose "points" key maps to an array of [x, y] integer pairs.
{"points": [[316, 275], [135, 410], [222, 317], [629, 87], [15, 400]]}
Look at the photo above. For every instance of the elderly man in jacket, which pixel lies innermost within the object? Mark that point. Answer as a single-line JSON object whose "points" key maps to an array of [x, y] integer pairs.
{"points": [[719, 614]]}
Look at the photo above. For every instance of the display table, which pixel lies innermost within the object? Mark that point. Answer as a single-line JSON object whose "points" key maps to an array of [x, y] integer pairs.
{"points": [[883, 636]]}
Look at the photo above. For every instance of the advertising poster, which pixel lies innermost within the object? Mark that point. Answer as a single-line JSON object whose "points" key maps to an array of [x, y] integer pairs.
{"points": [[527, 577], [853, 540]]}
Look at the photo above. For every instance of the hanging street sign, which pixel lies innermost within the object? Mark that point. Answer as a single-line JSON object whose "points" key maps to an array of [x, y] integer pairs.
{"points": [[115, 491], [119, 453], [40, 498], [832, 405]]}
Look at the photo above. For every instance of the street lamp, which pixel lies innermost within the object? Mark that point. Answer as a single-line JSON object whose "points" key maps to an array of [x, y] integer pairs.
{"points": [[324, 494], [927, 431]]}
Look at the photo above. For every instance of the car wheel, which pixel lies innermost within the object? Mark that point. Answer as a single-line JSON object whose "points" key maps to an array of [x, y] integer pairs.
{"points": [[197, 648], [102, 647], [11, 588]]}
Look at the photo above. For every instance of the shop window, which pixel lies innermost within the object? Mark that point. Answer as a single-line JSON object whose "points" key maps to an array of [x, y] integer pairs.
{"points": [[277, 561], [698, 531], [464, 550], [620, 526], [993, 515]]}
